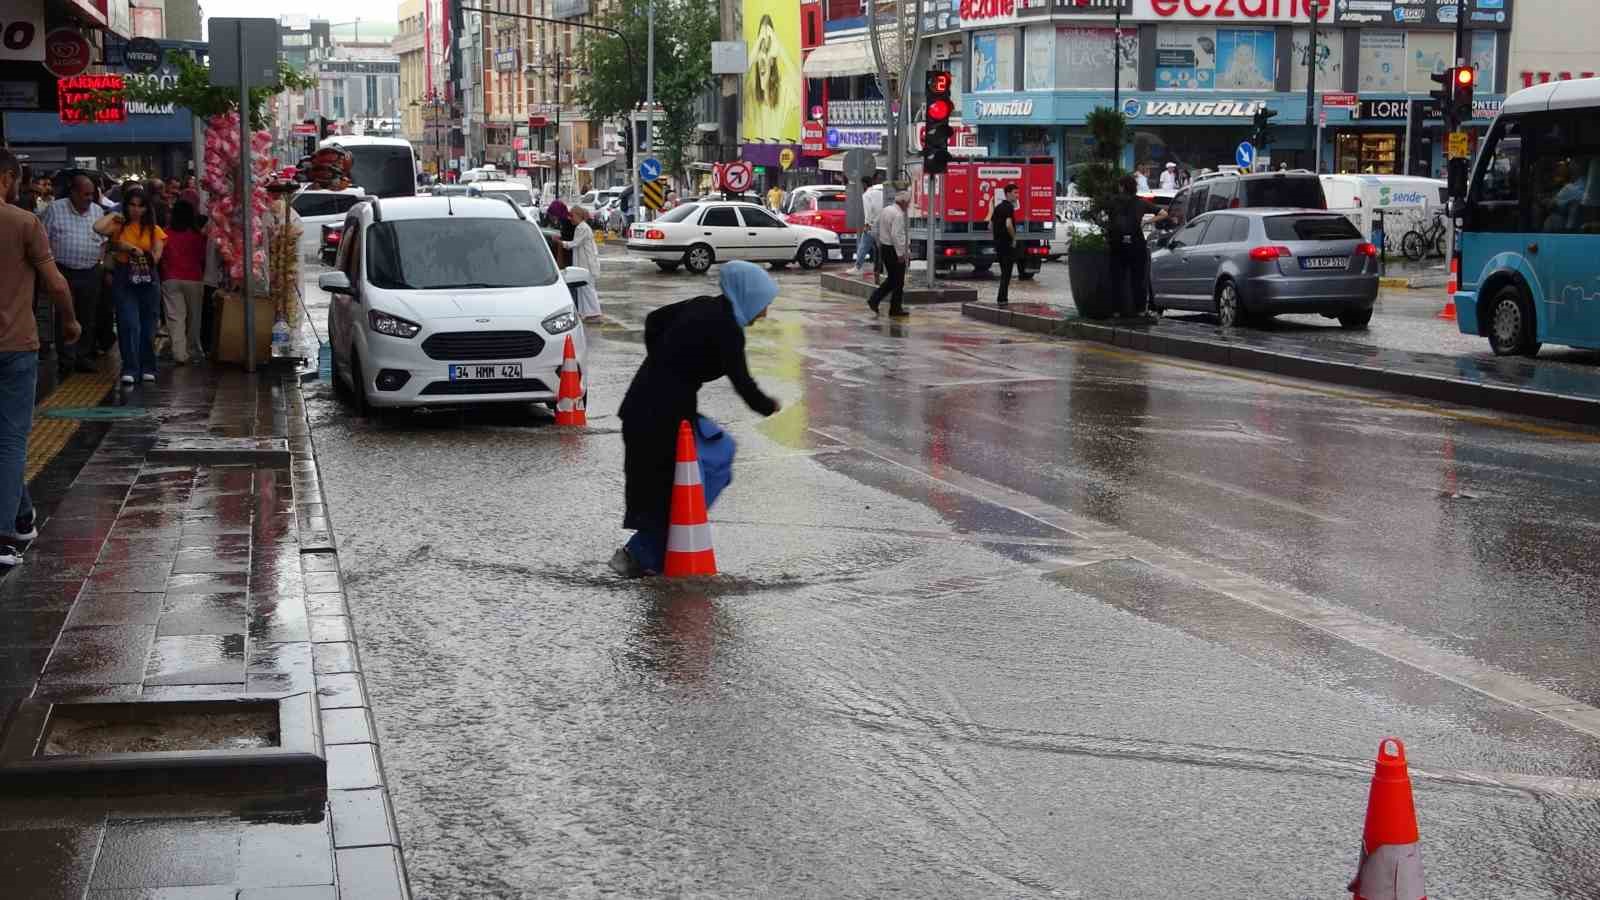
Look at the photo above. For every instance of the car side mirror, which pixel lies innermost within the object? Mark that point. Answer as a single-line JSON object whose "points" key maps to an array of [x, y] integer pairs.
{"points": [[335, 283], [574, 276]]}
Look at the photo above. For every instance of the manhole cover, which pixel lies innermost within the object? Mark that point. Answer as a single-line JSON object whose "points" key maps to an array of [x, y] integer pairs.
{"points": [[96, 412]]}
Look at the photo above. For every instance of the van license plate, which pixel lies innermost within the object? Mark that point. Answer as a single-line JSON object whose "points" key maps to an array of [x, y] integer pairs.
{"points": [[486, 372], [1323, 262]]}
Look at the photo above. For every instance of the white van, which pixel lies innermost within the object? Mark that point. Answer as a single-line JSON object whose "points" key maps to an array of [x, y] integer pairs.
{"points": [[1407, 200]]}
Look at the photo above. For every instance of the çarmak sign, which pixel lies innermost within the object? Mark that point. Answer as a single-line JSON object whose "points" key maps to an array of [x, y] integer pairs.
{"points": [[1233, 10]]}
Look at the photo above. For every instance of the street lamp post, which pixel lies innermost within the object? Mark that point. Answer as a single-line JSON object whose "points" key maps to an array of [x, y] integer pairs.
{"points": [[1313, 7]]}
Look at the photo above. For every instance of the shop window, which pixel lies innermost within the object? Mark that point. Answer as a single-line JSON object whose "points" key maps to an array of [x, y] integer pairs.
{"points": [[1330, 59], [1383, 61], [993, 61], [1039, 62], [1429, 55], [1485, 59], [1083, 58], [1366, 153], [1186, 58]]}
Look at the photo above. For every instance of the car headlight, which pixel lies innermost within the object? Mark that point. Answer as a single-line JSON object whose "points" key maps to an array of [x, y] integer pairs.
{"points": [[566, 320], [393, 326]]}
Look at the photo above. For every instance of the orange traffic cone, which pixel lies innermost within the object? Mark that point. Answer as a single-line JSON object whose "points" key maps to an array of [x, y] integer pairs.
{"points": [[689, 534], [1391, 852], [569, 395], [1449, 312]]}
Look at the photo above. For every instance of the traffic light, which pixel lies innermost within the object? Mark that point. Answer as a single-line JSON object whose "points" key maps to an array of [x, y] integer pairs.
{"points": [[936, 131], [1463, 79], [1444, 97], [326, 127], [1263, 127]]}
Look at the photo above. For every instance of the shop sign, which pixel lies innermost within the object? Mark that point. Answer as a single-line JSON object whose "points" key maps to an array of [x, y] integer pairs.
{"points": [[1424, 13], [1077, 7], [1486, 109], [78, 88], [853, 138], [1228, 12], [1529, 79], [1340, 101], [1192, 109], [142, 55], [1398, 110], [19, 95], [813, 140], [67, 53], [995, 109], [22, 32], [987, 12], [505, 60], [857, 112]]}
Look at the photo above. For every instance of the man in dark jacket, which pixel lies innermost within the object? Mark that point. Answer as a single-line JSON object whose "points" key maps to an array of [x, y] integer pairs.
{"points": [[686, 345], [1130, 255]]}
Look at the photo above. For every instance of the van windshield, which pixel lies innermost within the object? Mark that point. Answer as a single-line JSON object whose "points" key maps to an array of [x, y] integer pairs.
{"points": [[1289, 191], [458, 252], [387, 171]]}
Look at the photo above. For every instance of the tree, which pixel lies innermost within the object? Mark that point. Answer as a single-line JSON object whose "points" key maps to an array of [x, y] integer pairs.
{"points": [[615, 87]]}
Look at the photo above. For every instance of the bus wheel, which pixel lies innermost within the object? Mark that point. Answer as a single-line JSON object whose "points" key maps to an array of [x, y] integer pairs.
{"points": [[1511, 324]]}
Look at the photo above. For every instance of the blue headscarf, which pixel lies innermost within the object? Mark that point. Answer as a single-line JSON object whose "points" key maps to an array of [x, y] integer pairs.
{"points": [[748, 288]]}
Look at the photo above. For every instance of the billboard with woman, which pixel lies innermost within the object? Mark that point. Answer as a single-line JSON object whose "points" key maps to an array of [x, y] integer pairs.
{"points": [[773, 85]]}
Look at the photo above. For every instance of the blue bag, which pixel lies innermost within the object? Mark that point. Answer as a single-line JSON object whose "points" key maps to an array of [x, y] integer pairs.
{"points": [[715, 448]]}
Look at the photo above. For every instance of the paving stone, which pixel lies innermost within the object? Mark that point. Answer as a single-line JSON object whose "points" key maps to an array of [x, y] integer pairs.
{"points": [[31, 629], [48, 863], [331, 629], [115, 609], [371, 873], [332, 658], [278, 618], [362, 818], [162, 852], [196, 659], [232, 583], [347, 726], [283, 854], [203, 614], [341, 691], [112, 654], [210, 561], [210, 450]]}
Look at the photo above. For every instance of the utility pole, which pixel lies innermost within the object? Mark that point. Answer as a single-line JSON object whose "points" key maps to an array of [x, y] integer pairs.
{"points": [[558, 123], [1312, 6], [649, 106], [1116, 62]]}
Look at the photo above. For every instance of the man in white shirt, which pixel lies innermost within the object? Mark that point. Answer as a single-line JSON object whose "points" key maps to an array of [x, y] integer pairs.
{"points": [[69, 223], [894, 240], [1169, 178], [867, 240]]}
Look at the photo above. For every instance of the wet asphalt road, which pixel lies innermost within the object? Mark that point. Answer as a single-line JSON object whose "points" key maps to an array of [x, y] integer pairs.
{"points": [[999, 617]]}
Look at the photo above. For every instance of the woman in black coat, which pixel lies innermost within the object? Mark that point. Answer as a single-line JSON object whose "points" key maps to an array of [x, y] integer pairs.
{"points": [[686, 344]]}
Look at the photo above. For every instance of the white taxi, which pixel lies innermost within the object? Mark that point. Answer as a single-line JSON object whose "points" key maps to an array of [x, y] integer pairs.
{"points": [[695, 235]]}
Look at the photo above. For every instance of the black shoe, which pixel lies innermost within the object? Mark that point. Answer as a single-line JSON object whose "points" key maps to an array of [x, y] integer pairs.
{"points": [[901, 313], [1001, 303], [873, 305], [26, 530], [623, 563]]}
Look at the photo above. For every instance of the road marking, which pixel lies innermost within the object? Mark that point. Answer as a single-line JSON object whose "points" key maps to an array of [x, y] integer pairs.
{"points": [[49, 436], [1347, 625]]}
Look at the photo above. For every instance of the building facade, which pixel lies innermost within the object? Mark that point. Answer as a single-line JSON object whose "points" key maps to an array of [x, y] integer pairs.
{"points": [[1557, 45], [1194, 72]]}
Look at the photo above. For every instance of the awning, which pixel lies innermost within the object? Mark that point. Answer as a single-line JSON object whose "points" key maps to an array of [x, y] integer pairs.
{"points": [[835, 163], [840, 60], [600, 163]]}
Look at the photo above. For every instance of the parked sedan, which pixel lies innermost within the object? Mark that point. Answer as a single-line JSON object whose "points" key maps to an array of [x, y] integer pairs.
{"points": [[696, 235], [1243, 263]]}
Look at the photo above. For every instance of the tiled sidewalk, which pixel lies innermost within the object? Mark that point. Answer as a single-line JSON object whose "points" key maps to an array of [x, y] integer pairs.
{"points": [[177, 579]]}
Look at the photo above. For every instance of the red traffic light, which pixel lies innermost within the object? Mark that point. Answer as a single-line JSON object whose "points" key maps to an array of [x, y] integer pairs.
{"points": [[940, 109], [939, 82], [1465, 76]]}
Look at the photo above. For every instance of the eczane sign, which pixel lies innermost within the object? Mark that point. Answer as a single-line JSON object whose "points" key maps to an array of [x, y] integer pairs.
{"points": [[1233, 11]]}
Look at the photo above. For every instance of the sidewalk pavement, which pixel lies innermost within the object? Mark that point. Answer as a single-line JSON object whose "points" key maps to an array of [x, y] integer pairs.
{"points": [[170, 567], [1531, 387]]}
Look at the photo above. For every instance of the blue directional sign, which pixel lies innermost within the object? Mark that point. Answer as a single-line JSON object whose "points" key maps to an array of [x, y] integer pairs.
{"points": [[1245, 156], [649, 169]]}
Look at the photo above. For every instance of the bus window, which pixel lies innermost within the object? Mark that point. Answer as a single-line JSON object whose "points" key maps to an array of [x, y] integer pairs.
{"points": [[1564, 176], [1498, 203], [384, 170]]}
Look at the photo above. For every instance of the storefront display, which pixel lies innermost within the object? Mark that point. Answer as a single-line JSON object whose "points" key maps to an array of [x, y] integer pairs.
{"points": [[1367, 153]]}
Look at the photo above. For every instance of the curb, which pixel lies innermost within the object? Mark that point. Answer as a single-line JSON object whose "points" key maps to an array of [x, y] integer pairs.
{"points": [[1394, 282], [364, 861], [1462, 391], [921, 296]]}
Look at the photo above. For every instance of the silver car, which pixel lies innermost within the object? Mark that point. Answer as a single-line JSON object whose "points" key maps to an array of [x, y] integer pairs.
{"points": [[1262, 262]]}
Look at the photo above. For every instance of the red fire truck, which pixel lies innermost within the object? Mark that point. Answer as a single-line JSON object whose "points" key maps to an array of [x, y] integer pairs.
{"points": [[969, 190]]}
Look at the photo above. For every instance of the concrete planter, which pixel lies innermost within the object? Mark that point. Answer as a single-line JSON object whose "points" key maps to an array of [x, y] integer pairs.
{"points": [[1089, 272]]}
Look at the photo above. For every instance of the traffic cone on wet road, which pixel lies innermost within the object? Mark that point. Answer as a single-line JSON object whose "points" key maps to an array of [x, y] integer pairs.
{"points": [[1449, 312], [689, 534], [1391, 851], [569, 394]]}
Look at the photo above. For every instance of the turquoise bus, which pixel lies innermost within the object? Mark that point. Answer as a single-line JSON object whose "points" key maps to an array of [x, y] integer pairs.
{"points": [[1530, 238]]}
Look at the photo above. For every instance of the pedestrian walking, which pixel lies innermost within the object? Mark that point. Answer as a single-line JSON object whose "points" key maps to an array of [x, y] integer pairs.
{"points": [[78, 250], [687, 344], [1130, 255], [1003, 224], [584, 255], [183, 272], [895, 243], [136, 243], [775, 198], [25, 263], [867, 241], [1169, 177]]}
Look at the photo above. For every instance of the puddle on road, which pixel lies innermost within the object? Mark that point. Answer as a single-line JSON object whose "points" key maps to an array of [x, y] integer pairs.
{"points": [[82, 732]]}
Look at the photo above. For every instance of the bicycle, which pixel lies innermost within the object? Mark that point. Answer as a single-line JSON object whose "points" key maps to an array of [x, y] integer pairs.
{"points": [[1415, 244]]}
